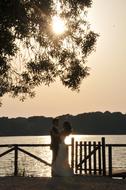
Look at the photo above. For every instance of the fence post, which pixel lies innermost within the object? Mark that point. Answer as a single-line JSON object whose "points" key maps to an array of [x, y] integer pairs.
{"points": [[94, 158], [103, 156], [72, 153], [76, 157], [110, 160], [15, 160], [80, 145], [89, 152], [85, 154], [99, 157]]}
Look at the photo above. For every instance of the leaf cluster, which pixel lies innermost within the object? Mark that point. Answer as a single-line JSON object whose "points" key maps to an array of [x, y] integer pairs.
{"points": [[27, 40]]}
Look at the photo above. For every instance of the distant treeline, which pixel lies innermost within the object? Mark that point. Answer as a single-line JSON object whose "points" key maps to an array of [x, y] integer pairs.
{"points": [[85, 123]]}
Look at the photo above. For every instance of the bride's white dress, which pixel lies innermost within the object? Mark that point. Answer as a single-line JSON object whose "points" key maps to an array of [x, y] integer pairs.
{"points": [[61, 166]]}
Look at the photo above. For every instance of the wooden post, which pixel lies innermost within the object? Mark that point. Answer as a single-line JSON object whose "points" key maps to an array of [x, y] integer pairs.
{"points": [[99, 157], [16, 160], [85, 154], [72, 153], [89, 153], [110, 160], [103, 157], [81, 157], [94, 157], [76, 157]]}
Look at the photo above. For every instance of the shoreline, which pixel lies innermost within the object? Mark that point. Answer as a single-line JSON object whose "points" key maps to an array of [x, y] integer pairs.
{"points": [[62, 183]]}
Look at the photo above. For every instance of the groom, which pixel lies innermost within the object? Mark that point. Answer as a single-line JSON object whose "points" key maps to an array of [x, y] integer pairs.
{"points": [[55, 138]]}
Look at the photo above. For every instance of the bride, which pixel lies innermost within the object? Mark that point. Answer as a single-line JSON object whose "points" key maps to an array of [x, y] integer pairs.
{"points": [[61, 166]]}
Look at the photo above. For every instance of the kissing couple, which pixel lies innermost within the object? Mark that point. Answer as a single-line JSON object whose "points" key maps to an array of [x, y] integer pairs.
{"points": [[60, 165]]}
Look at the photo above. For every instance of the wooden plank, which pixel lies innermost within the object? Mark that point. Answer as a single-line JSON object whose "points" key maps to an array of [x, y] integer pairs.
{"points": [[94, 158], [110, 160], [80, 157], [103, 157], [99, 157], [6, 152], [25, 145], [89, 152], [76, 157], [85, 155], [72, 153], [16, 160], [117, 145], [90, 169], [48, 145]]}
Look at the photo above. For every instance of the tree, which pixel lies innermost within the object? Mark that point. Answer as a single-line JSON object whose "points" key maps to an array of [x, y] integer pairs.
{"points": [[31, 53]]}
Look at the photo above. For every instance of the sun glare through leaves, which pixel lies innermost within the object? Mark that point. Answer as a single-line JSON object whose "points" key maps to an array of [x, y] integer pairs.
{"points": [[58, 25]]}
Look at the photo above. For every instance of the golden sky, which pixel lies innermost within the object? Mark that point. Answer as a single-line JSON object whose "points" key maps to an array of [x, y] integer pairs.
{"points": [[104, 89]]}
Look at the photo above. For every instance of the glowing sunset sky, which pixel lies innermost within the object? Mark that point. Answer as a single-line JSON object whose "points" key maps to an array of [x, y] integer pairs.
{"points": [[104, 89]]}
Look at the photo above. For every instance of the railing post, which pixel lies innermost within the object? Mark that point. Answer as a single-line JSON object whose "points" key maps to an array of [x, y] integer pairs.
{"points": [[76, 157], [89, 153], [15, 160], [110, 160], [80, 156], [99, 157], [94, 158], [85, 155], [103, 156], [72, 153]]}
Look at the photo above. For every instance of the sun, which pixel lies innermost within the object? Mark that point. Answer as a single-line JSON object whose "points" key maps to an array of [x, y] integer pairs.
{"points": [[58, 25]]}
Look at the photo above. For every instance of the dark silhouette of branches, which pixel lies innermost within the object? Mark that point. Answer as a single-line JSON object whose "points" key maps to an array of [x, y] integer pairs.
{"points": [[32, 54]]}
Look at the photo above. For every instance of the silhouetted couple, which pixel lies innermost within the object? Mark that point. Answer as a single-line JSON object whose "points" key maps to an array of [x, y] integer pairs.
{"points": [[60, 165]]}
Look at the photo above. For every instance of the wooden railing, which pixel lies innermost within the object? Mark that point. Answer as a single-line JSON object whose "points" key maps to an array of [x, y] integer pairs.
{"points": [[16, 148], [95, 158], [88, 158], [110, 160]]}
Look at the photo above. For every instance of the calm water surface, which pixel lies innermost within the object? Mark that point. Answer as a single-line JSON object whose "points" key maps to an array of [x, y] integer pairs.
{"points": [[30, 167]]}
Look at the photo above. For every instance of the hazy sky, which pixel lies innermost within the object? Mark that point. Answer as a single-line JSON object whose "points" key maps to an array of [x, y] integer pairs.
{"points": [[104, 89]]}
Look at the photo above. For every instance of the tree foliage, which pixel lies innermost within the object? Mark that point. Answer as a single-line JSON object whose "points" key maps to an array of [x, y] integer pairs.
{"points": [[32, 54]]}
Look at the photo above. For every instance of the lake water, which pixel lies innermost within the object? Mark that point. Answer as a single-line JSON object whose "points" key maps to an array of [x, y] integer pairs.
{"points": [[30, 167]]}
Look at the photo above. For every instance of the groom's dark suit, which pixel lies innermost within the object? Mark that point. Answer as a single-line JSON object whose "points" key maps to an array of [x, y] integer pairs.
{"points": [[55, 140]]}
